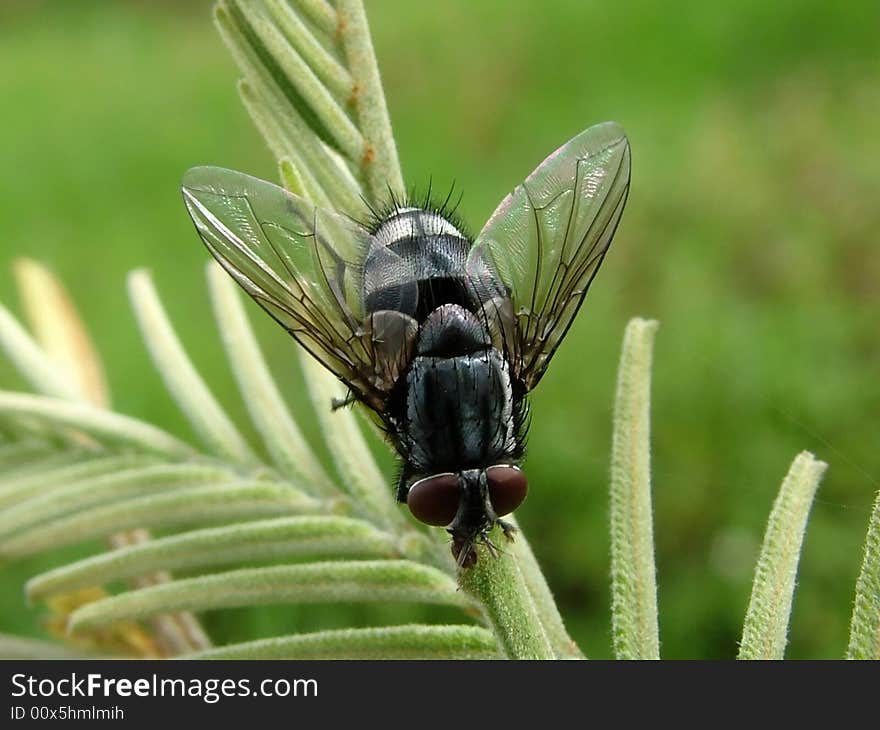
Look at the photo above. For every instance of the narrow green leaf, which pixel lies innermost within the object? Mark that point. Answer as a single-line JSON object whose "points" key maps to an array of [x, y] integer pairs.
{"points": [[291, 179], [360, 476], [326, 582], [545, 606], [185, 506], [282, 437], [190, 392], [314, 94], [28, 358], [324, 177], [385, 642], [633, 575], [111, 429], [266, 93], [322, 14], [234, 20], [499, 586], [60, 332], [65, 340], [330, 72], [24, 486], [765, 632], [16, 453], [864, 635], [271, 127], [47, 460], [52, 502], [279, 538], [379, 157], [19, 647]]}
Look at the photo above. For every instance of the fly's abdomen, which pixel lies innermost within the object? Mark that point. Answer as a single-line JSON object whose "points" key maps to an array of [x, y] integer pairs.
{"points": [[458, 411]]}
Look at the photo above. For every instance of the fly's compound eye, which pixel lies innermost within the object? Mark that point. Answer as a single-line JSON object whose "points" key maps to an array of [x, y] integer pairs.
{"points": [[434, 500], [508, 488]]}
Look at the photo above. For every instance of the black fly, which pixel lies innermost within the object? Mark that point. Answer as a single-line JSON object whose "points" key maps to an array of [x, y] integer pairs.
{"points": [[440, 335]]}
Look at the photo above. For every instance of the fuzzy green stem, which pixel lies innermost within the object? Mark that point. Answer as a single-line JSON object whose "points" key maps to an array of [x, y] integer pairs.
{"points": [[340, 581], [278, 538], [184, 506], [499, 586], [266, 95], [280, 433], [49, 477], [563, 645], [633, 576], [108, 428], [380, 642], [360, 474], [864, 637], [52, 502], [325, 65], [311, 93], [322, 14], [189, 390], [765, 632], [31, 362], [20, 648], [379, 157]]}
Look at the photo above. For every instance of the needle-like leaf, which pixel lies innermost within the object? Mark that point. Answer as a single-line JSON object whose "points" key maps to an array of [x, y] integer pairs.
{"points": [[864, 636], [60, 332], [382, 642], [497, 583], [279, 431], [357, 467], [79, 466], [283, 537], [111, 429], [189, 390], [326, 582], [210, 504], [633, 578], [74, 496], [765, 632]]}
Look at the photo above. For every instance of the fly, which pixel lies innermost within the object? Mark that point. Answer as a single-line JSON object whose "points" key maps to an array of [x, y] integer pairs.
{"points": [[442, 336]]}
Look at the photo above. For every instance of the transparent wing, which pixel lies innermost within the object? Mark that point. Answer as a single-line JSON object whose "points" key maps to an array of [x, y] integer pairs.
{"points": [[546, 241], [301, 264]]}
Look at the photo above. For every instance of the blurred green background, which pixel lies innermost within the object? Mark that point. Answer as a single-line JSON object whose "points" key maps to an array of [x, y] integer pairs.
{"points": [[751, 234]]}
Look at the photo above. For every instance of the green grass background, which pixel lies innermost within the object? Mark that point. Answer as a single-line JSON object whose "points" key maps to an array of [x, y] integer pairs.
{"points": [[751, 234]]}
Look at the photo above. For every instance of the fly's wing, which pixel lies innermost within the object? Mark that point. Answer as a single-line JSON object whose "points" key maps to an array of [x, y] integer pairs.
{"points": [[300, 263], [535, 259]]}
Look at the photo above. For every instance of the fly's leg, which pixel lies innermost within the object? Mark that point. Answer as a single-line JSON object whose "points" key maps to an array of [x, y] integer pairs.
{"points": [[402, 487], [508, 529], [337, 403]]}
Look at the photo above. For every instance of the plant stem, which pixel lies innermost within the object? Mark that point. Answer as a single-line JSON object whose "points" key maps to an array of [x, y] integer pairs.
{"points": [[105, 426], [500, 587], [380, 162], [380, 642], [633, 576], [864, 638], [563, 645], [765, 632]]}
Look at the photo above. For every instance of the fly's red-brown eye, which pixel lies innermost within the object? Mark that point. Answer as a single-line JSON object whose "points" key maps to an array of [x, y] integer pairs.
{"points": [[508, 488], [434, 500]]}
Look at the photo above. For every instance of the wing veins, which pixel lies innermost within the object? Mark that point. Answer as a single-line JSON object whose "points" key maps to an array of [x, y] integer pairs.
{"points": [[599, 258], [587, 234]]}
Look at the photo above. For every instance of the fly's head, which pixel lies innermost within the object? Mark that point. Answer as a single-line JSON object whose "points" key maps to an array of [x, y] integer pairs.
{"points": [[468, 504]]}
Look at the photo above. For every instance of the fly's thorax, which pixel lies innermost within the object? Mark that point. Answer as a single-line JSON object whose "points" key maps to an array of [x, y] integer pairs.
{"points": [[416, 261]]}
